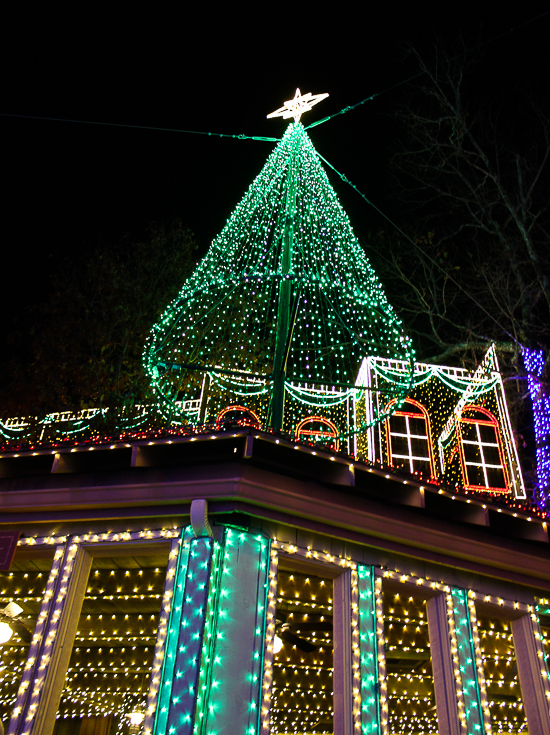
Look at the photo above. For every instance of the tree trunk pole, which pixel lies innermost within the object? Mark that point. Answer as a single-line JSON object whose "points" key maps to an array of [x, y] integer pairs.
{"points": [[283, 309]]}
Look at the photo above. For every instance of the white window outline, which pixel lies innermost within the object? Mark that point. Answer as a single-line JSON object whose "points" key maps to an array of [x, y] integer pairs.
{"points": [[346, 672], [410, 457], [480, 444]]}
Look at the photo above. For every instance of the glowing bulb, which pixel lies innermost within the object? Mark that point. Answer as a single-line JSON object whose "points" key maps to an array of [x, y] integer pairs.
{"points": [[136, 718], [5, 633], [277, 644]]}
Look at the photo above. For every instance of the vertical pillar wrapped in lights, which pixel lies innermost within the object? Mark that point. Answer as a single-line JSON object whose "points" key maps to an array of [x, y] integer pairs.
{"points": [[170, 645], [479, 663], [71, 553], [235, 688], [464, 661], [208, 641], [34, 658], [542, 656], [370, 703], [534, 364], [182, 663], [166, 617], [381, 652], [355, 651], [269, 641]]}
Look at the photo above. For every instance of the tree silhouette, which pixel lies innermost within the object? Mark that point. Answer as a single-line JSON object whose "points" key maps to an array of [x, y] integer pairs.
{"points": [[477, 263]]}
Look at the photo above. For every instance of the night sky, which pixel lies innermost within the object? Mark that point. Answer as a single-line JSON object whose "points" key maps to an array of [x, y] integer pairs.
{"points": [[66, 185]]}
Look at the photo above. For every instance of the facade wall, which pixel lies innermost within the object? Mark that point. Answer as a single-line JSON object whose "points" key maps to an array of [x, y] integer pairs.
{"points": [[213, 661]]}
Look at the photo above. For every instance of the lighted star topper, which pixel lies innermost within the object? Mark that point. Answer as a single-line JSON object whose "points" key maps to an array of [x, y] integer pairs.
{"points": [[301, 103]]}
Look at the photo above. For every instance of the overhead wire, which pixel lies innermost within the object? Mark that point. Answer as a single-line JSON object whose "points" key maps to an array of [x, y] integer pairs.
{"points": [[344, 178], [404, 234], [418, 247], [240, 136]]}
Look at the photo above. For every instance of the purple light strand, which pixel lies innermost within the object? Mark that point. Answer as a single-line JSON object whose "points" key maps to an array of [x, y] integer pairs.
{"points": [[534, 364]]}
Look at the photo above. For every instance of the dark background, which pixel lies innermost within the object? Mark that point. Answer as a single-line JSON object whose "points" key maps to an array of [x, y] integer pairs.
{"points": [[67, 186]]}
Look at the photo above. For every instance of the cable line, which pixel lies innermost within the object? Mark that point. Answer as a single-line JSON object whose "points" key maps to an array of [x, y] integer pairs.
{"points": [[141, 127], [416, 245], [241, 136]]}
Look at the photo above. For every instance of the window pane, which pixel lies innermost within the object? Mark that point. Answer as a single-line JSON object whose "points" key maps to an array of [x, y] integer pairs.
{"points": [[475, 475], [319, 431], [398, 424], [411, 697], [472, 453], [24, 585], [469, 431], [471, 413], [411, 408], [302, 699], [238, 416], [491, 455], [488, 434], [417, 427], [496, 477], [112, 657], [422, 465], [420, 448], [409, 450], [399, 446], [501, 675]]}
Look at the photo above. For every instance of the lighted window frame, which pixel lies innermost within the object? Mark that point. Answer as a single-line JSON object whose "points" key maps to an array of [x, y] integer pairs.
{"points": [[342, 632], [438, 646], [315, 435], [249, 418], [480, 443], [54, 678], [501, 626], [420, 414]]}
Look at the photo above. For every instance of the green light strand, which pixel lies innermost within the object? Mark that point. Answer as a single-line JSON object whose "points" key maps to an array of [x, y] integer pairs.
{"points": [[370, 699], [460, 385], [326, 400], [467, 663]]}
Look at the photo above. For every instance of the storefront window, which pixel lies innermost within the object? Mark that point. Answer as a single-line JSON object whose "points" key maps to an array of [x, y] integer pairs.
{"points": [[108, 676], [302, 699], [411, 696], [501, 674]]}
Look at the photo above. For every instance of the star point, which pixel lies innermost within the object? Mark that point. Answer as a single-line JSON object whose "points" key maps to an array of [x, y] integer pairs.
{"points": [[298, 105]]}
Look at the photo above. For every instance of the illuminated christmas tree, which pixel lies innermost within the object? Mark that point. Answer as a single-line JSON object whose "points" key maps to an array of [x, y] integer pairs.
{"points": [[281, 312]]}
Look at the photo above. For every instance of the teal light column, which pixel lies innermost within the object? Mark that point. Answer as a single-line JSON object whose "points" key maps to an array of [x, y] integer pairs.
{"points": [[211, 678], [194, 595], [467, 662], [368, 645], [233, 702]]}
